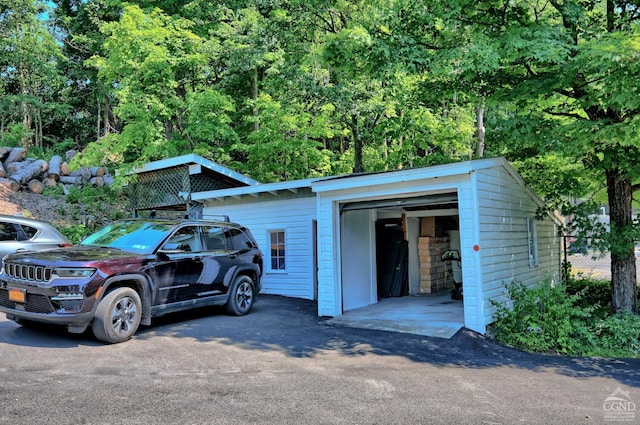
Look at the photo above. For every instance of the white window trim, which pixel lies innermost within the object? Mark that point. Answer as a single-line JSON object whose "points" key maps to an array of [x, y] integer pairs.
{"points": [[532, 242], [268, 269]]}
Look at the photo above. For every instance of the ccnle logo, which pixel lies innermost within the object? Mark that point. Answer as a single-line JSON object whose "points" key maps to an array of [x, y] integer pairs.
{"points": [[619, 407]]}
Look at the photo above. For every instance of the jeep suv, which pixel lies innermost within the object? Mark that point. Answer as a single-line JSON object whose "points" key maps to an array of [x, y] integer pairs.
{"points": [[130, 271]]}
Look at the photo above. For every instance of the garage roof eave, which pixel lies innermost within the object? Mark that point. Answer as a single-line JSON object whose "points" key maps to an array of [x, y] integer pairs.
{"points": [[272, 188], [436, 171]]}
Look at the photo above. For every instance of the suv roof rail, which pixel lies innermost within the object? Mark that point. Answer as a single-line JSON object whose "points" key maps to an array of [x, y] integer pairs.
{"points": [[219, 217]]}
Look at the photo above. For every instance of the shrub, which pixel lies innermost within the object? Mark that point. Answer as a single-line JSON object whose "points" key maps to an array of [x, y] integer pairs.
{"points": [[75, 233], [593, 292], [618, 336], [596, 293], [570, 320], [544, 318]]}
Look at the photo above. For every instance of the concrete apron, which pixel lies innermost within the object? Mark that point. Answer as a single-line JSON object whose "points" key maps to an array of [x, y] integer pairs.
{"points": [[429, 315]]}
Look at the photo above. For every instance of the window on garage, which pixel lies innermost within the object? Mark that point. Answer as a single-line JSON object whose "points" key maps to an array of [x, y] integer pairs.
{"points": [[532, 232], [277, 250]]}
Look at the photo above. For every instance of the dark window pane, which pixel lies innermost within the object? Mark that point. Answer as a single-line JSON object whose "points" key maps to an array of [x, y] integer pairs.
{"points": [[215, 238], [29, 231], [8, 232], [277, 250]]}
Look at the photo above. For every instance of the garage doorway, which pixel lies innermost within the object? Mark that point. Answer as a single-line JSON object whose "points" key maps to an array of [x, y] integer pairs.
{"points": [[390, 254]]}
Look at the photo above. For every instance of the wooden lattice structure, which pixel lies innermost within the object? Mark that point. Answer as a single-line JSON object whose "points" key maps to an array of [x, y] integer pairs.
{"points": [[168, 184]]}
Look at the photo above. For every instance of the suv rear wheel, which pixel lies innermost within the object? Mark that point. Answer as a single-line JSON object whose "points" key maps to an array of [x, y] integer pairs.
{"points": [[117, 316], [240, 296]]}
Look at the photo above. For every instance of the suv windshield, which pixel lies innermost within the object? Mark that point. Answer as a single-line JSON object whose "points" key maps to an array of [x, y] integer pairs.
{"points": [[133, 235]]}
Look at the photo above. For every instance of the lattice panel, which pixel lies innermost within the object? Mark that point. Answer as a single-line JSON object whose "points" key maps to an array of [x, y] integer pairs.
{"points": [[161, 188], [204, 183]]}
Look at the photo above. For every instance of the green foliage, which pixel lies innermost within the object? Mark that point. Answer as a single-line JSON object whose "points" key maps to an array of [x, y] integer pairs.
{"points": [[30, 74], [592, 293], [47, 152], [544, 318], [280, 149], [76, 233], [108, 151], [89, 195], [618, 336], [574, 320], [150, 58], [14, 134], [56, 191], [96, 206], [207, 118]]}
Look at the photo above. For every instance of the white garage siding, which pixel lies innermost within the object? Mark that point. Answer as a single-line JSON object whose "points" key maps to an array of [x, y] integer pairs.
{"points": [[505, 207], [469, 238], [295, 217], [329, 287]]}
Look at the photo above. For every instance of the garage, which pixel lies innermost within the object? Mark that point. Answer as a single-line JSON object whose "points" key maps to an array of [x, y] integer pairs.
{"points": [[481, 208], [359, 241]]}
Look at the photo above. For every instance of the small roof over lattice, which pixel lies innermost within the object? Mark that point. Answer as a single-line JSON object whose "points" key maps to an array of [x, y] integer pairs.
{"points": [[168, 184]]}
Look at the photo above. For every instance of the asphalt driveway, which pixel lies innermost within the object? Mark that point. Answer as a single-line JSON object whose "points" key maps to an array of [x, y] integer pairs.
{"points": [[282, 364]]}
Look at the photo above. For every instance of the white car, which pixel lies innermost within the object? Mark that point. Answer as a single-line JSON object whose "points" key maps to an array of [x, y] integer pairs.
{"points": [[26, 234]]}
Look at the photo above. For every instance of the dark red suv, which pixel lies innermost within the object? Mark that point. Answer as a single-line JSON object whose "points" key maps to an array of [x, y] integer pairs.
{"points": [[130, 271]]}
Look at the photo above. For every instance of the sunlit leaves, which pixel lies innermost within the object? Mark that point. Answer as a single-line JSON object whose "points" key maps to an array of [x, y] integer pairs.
{"points": [[281, 149], [150, 59], [207, 117]]}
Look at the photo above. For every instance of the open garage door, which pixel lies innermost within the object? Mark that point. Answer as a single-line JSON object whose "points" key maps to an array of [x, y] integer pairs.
{"points": [[390, 248], [427, 202]]}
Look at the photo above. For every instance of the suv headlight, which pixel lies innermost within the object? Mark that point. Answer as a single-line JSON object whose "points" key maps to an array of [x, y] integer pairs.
{"points": [[74, 271]]}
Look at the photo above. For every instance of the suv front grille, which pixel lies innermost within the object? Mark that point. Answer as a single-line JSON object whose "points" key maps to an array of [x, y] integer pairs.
{"points": [[36, 303], [28, 272]]}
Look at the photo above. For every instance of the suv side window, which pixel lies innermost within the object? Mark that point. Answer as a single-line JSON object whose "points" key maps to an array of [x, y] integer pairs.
{"points": [[8, 232], [215, 238], [184, 239], [239, 239]]}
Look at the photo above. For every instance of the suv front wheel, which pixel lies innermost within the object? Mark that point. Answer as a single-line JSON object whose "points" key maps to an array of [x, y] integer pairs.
{"points": [[117, 316], [240, 296]]}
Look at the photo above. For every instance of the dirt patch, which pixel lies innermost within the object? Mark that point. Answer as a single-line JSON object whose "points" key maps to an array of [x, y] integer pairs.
{"points": [[42, 207]]}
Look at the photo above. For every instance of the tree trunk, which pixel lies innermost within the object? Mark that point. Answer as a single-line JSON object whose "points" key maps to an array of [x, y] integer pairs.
{"points": [[623, 260], [30, 171], [106, 122], [480, 131], [36, 186], [4, 151], [50, 181], [65, 170], [254, 97], [97, 181], [54, 167], [358, 166], [98, 118], [71, 180], [16, 154], [10, 184], [38, 129]]}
